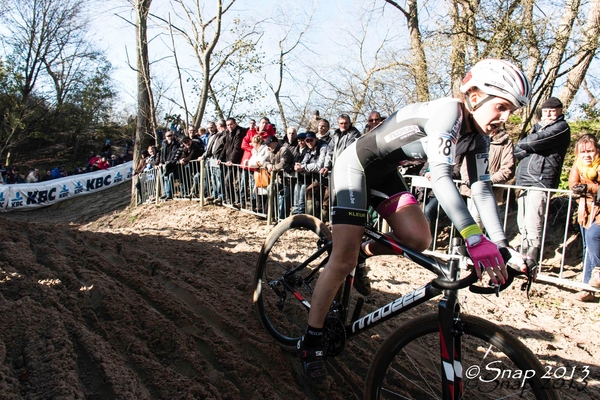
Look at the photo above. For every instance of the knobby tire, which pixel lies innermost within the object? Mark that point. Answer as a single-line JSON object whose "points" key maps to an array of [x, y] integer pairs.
{"points": [[407, 366]]}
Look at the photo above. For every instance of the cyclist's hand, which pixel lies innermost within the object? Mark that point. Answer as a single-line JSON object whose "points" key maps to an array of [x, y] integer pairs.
{"points": [[485, 254]]}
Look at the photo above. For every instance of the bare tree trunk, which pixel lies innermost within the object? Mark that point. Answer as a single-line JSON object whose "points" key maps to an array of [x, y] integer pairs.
{"points": [[283, 53], [531, 37], [462, 14], [419, 66], [557, 50], [588, 50], [145, 107], [277, 91], [553, 61], [206, 54], [593, 100]]}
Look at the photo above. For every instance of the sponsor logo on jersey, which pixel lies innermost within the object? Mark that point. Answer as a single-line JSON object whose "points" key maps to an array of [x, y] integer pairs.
{"points": [[404, 132]]}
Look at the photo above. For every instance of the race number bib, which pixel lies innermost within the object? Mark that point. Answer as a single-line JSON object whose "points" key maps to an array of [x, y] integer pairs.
{"points": [[442, 149], [482, 165]]}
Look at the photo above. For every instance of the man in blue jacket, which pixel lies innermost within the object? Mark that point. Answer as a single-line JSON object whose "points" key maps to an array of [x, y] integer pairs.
{"points": [[542, 153]]}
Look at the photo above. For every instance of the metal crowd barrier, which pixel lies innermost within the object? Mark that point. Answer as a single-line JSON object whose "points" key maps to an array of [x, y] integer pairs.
{"points": [[277, 195], [273, 196], [551, 269]]}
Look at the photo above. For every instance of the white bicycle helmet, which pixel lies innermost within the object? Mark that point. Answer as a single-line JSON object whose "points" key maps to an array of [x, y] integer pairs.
{"points": [[499, 78]]}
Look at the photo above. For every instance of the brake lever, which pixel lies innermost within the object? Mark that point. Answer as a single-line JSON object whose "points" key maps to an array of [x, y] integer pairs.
{"points": [[496, 287]]}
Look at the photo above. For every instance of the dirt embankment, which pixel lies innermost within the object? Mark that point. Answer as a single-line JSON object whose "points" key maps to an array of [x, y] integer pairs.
{"points": [[98, 301]]}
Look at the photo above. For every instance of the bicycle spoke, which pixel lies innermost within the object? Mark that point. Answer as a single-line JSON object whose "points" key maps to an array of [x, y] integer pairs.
{"points": [[285, 286], [408, 366]]}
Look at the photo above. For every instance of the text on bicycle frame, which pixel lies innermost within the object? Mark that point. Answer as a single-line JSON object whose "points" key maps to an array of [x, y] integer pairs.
{"points": [[388, 309]]}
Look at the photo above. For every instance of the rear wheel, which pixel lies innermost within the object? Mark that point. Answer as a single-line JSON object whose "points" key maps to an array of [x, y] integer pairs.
{"points": [[407, 366], [282, 295]]}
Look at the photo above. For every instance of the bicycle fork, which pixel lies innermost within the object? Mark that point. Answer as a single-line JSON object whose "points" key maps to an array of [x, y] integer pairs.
{"points": [[450, 342]]}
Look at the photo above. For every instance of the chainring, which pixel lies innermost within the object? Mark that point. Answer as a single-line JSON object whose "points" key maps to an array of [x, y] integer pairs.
{"points": [[334, 334]]}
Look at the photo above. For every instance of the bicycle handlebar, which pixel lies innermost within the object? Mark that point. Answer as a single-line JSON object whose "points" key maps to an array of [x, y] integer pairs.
{"points": [[468, 281]]}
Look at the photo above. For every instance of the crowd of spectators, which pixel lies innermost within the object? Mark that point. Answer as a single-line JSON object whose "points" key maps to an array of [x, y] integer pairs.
{"points": [[240, 160], [13, 175], [239, 164], [102, 160]]}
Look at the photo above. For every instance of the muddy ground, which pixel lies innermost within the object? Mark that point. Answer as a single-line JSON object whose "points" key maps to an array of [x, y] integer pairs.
{"points": [[100, 301]]}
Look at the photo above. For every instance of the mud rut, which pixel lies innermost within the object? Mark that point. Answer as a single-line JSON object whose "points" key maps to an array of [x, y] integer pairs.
{"points": [[103, 302]]}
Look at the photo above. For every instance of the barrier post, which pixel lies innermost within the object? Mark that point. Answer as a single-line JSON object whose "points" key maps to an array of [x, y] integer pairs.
{"points": [[270, 199], [159, 188], [202, 188]]}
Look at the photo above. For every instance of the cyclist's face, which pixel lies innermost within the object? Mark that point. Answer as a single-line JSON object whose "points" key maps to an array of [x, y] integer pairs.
{"points": [[492, 115]]}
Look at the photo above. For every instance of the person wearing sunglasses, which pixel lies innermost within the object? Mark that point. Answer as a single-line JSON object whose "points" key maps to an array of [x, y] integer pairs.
{"points": [[373, 121]]}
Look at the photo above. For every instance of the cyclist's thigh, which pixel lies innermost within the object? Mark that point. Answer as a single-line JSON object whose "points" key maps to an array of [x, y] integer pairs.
{"points": [[410, 227], [349, 181]]}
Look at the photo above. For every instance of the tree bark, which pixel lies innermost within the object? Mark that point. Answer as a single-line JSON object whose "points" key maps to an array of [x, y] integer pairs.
{"points": [[207, 51], [464, 33], [589, 48], [419, 66], [557, 51], [145, 105]]}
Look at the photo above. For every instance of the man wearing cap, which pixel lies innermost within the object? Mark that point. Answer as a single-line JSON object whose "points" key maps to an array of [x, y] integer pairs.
{"points": [[542, 153]]}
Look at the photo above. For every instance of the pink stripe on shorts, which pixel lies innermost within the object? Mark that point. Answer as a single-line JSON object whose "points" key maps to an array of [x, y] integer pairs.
{"points": [[395, 203]]}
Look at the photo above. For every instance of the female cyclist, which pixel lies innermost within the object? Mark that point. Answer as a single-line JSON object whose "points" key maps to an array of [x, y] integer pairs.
{"points": [[445, 132]]}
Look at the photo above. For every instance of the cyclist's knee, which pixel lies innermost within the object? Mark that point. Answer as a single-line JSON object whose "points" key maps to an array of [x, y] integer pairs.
{"points": [[421, 240], [342, 266]]}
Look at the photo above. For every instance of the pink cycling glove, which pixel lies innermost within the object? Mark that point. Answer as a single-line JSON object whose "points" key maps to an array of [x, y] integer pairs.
{"points": [[483, 252]]}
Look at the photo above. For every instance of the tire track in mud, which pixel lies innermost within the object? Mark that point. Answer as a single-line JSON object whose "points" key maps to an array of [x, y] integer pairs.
{"points": [[156, 303], [188, 294]]}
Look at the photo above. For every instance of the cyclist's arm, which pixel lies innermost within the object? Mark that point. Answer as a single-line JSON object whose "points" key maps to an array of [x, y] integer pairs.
{"points": [[485, 201], [451, 201], [443, 133], [477, 166]]}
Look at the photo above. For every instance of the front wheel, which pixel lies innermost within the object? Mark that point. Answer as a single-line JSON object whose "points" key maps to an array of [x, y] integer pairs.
{"points": [[494, 363], [282, 290]]}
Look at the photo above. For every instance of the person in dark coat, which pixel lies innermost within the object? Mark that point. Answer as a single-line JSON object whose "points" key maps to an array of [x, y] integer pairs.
{"points": [[542, 154]]}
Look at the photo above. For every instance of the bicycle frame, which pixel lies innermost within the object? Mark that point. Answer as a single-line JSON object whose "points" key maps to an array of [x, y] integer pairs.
{"points": [[392, 309], [448, 307]]}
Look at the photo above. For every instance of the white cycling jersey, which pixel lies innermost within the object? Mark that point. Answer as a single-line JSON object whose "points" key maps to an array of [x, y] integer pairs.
{"points": [[436, 132]]}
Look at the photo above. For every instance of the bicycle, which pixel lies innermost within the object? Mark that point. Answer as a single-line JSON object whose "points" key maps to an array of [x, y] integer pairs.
{"points": [[405, 366]]}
